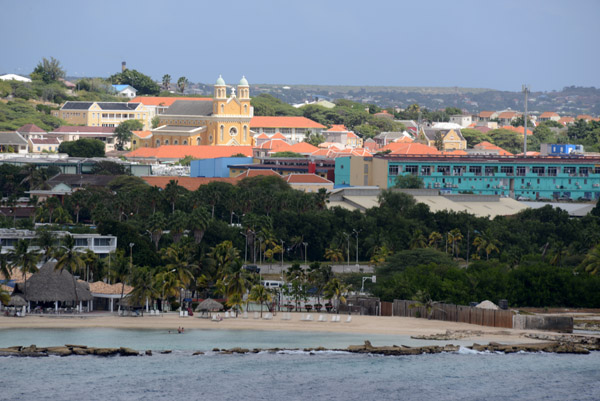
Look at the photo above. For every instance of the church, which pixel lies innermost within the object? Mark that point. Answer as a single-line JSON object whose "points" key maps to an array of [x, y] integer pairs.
{"points": [[221, 121]]}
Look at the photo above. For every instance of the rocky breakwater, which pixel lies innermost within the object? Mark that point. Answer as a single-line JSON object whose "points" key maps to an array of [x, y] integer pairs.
{"points": [[66, 350], [557, 347], [367, 348]]}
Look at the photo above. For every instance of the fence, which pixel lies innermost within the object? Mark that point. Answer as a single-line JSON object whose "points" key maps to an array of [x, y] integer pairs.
{"points": [[454, 313]]}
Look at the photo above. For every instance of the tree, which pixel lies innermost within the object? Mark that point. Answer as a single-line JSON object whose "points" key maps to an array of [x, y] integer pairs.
{"points": [[123, 131], [314, 138], [83, 147], [486, 243], [22, 258], [142, 83], [260, 294], [178, 223], [71, 260], [156, 224], [452, 240], [198, 222], [591, 263], [144, 287], [336, 291], [182, 82], [106, 167], [48, 71], [120, 271], [418, 240], [334, 254], [409, 181], [166, 81], [155, 122]]}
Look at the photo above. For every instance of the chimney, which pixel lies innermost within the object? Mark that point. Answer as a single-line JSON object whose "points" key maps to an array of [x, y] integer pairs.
{"points": [[123, 66]]}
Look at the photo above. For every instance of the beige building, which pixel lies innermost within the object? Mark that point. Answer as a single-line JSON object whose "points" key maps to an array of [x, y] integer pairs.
{"points": [[452, 139], [102, 114]]}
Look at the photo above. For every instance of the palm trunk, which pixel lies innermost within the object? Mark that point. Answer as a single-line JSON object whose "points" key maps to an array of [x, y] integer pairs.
{"points": [[122, 292], [75, 288]]}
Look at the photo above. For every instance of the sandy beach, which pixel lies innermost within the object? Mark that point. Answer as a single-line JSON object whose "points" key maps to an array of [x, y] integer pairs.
{"points": [[359, 325]]}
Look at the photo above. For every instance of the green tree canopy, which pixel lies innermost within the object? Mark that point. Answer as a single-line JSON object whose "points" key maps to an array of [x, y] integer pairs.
{"points": [[83, 147], [48, 70], [123, 131], [142, 83], [409, 181]]}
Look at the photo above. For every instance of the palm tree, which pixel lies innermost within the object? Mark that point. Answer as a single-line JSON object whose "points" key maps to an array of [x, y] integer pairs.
{"points": [[418, 240], [4, 265], [591, 263], [453, 238], [236, 285], [224, 255], [334, 254], [120, 271], [557, 253], [260, 294], [198, 222], [143, 286], [434, 239], [336, 291], [177, 261], [179, 222], [423, 300], [182, 83], [25, 260], [45, 241], [168, 285], [4, 296], [156, 225], [71, 260], [380, 254], [172, 193], [486, 243], [166, 81], [319, 276], [154, 196]]}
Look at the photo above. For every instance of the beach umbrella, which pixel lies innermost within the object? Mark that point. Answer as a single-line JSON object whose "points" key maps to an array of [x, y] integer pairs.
{"points": [[209, 305], [17, 300]]}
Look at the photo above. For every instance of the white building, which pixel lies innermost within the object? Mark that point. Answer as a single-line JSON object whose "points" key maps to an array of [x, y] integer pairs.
{"points": [[99, 244], [15, 77], [463, 120]]}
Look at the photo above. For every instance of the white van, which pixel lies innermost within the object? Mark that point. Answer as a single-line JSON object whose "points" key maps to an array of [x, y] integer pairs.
{"points": [[271, 284]]}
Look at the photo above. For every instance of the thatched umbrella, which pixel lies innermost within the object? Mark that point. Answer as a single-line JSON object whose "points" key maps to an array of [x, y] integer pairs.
{"points": [[49, 285], [17, 300], [209, 305]]}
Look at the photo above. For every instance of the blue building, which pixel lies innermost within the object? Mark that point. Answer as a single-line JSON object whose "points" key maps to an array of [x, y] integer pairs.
{"points": [[217, 167], [518, 177]]}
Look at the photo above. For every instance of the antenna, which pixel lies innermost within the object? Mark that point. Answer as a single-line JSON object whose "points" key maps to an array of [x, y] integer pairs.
{"points": [[525, 90]]}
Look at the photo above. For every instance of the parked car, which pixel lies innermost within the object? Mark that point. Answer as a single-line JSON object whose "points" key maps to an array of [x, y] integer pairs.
{"points": [[252, 268]]}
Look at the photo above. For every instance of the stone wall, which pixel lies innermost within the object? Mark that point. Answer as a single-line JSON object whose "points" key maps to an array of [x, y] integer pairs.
{"points": [[563, 324]]}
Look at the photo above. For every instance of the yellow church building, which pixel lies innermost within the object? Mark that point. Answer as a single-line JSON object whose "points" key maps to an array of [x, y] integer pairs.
{"points": [[221, 121]]}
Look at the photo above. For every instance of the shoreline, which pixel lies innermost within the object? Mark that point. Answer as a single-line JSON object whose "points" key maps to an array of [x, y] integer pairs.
{"points": [[367, 325]]}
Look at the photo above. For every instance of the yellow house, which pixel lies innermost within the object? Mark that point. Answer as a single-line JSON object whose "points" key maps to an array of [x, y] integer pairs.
{"points": [[451, 139], [222, 121], [102, 114]]}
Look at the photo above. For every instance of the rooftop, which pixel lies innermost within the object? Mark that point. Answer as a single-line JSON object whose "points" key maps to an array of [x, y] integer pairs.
{"points": [[165, 100], [283, 122], [197, 152]]}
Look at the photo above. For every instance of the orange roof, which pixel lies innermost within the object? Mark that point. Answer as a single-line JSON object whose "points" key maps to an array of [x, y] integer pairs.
{"points": [[490, 146], [142, 134], [548, 114], [283, 122], [189, 183], [584, 117], [279, 135], [306, 179], [256, 172], [337, 128], [371, 145], [454, 152], [276, 145], [486, 114], [566, 120], [351, 134], [411, 149], [263, 136], [163, 101], [197, 151], [508, 114], [404, 139], [518, 130], [303, 147]]}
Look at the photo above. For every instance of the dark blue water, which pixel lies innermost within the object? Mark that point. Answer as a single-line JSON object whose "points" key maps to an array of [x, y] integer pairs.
{"points": [[299, 376]]}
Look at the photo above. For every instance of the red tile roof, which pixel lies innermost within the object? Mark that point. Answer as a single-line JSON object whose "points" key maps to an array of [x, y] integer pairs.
{"points": [[165, 101], [486, 114], [518, 130], [279, 135], [508, 114], [142, 134], [548, 114], [30, 128], [45, 141], [276, 145], [197, 151], [490, 146], [189, 183], [303, 147], [454, 152], [306, 179], [263, 136], [579, 117], [283, 122], [566, 120], [351, 134], [482, 129], [411, 149], [256, 172], [403, 139], [337, 128]]}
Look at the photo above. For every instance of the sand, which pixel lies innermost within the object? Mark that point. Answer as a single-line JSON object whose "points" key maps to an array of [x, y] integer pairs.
{"points": [[360, 325]]}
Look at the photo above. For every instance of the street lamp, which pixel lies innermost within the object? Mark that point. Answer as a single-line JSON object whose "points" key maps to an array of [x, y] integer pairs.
{"points": [[348, 248], [356, 234], [246, 248], [282, 242], [305, 254]]}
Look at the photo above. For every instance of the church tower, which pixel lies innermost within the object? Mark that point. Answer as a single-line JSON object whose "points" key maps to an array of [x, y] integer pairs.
{"points": [[220, 97], [244, 97]]}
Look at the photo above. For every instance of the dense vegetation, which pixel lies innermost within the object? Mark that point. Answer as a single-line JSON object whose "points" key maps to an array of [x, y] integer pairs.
{"points": [[536, 258]]}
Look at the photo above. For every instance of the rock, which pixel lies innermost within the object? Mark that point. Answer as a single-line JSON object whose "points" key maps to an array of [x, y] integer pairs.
{"points": [[148, 352], [106, 351], [167, 351], [9, 352], [216, 349], [82, 351], [198, 353], [75, 346], [123, 351], [59, 351], [238, 350]]}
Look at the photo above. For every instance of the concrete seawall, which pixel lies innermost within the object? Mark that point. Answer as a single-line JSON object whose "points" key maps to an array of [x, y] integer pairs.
{"points": [[561, 324]]}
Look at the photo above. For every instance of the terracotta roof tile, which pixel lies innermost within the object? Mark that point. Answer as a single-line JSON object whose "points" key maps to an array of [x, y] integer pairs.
{"points": [[411, 149], [337, 128], [189, 183], [262, 136], [508, 114], [548, 114], [279, 135], [303, 147], [566, 120], [165, 101], [30, 128], [283, 122], [66, 129], [142, 134], [486, 114], [256, 172], [306, 179], [490, 146]]}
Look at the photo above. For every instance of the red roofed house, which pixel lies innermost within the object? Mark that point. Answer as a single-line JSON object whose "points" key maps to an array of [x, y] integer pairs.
{"points": [[38, 140], [486, 116], [507, 117], [31, 131], [490, 148], [384, 114], [189, 183], [566, 120], [308, 182], [295, 129], [586, 117], [402, 148], [340, 134], [548, 115]]}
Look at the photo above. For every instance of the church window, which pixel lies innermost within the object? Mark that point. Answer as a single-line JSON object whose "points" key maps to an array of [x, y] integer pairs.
{"points": [[233, 131], [185, 142], [175, 142], [210, 139], [166, 141], [221, 133], [197, 141], [222, 109], [245, 133], [158, 142], [245, 108]]}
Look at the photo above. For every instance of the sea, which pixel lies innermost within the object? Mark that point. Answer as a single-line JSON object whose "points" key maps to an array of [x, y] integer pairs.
{"points": [[286, 375]]}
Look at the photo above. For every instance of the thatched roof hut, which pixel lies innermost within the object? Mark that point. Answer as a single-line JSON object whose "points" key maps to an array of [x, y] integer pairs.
{"points": [[209, 305], [49, 285], [17, 300]]}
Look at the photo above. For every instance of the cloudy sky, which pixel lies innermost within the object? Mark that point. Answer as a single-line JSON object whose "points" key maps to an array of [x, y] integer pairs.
{"points": [[548, 44]]}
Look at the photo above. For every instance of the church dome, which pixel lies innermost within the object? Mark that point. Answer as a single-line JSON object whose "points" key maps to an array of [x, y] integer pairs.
{"points": [[220, 81], [243, 81]]}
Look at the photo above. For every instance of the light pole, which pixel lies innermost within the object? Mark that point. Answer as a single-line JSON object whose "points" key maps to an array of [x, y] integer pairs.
{"points": [[282, 242], [305, 254], [525, 90], [246, 247], [372, 278], [356, 234], [348, 248]]}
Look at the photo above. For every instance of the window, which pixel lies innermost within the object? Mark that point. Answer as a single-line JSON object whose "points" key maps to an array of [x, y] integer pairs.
{"points": [[233, 131], [222, 109], [445, 170], [198, 141], [245, 133], [569, 170], [175, 142], [286, 131], [166, 141], [366, 168], [81, 242], [185, 142], [221, 133], [426, 170], [475, 169], [269, 130], [101, 241], [158, 142], [392, 170], [521, 171], [552, 171], [245, 108], [414, 170], [539, 170]]}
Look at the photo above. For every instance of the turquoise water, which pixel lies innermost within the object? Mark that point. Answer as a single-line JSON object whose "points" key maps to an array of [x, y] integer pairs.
{"points": [[282, 376]]}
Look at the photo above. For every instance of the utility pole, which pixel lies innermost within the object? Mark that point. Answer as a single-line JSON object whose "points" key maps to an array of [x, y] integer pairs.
{"points": [[305, 253], [356, 234], [348, 247], [525, 90]]}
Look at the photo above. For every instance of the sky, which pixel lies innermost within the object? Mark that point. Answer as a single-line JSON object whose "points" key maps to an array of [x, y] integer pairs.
{"points": [[547, 44]]}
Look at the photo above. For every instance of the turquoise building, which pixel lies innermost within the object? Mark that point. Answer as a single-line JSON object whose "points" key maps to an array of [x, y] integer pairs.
{"points": [[518, 177]]}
